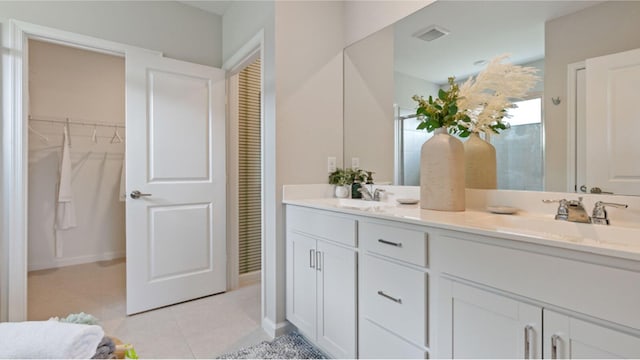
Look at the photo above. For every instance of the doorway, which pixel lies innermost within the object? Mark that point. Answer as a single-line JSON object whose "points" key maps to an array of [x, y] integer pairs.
{"points": [[76, 211], [246, 173], [179, 128]]}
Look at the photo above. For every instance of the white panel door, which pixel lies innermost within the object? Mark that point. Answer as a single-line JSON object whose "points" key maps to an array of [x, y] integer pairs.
{"points": [[566, 337], [613, 123], [336, 268], [176, 240], [488, 325]]}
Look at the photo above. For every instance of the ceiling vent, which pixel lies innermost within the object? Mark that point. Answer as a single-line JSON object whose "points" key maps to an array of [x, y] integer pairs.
{"points": [[431, 33]]}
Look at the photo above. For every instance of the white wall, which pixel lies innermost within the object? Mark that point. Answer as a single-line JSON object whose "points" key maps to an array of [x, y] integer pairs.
{"points": [[179, 31], [406, 86], [241, 22], [368, 110], [302, 105], [309, 41], [74, 83], [363, 18], [603, 29]]}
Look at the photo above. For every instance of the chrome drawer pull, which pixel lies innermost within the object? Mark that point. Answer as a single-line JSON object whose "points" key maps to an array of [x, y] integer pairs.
{"points": [[383, 241], [528, 330], [312, 258], [318, 260], [398, 300], [554, 346]]}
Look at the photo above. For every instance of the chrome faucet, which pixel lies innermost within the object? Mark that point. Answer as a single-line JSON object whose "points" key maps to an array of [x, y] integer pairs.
{"points": [[599, 215], [570, 210], [366, 194]]}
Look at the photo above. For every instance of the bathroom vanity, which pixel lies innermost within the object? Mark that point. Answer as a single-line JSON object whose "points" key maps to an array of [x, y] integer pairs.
{"points": [[382, 280]]}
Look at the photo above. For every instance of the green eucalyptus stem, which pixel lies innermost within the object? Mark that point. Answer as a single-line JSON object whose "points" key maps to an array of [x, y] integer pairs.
{"points": [[442, 111]]}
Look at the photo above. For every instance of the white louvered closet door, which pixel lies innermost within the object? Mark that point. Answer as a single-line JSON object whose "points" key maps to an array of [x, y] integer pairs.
{"points": [[249, 169]]}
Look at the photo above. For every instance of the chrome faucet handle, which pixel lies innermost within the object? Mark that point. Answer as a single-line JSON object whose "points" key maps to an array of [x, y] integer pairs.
{"points": [[366, 194], [376, 194], [599, 215], [563, 210]]}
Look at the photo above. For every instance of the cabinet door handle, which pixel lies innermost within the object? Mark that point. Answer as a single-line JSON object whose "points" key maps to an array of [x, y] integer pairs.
{"points": [[312, 259], [554, 346], [527, 341], [318, 260], [387, 242], [398, 300]]}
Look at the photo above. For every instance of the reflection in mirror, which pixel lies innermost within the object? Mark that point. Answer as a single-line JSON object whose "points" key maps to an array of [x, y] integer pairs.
{"points": [[536, 152]]}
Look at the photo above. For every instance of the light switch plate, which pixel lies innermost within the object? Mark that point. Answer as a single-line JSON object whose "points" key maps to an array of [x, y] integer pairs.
{"points": [[331, 164]]}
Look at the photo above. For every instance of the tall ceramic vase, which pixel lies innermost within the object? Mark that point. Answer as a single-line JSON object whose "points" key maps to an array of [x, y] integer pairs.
{"points": [[479, 163], [442, 173]]}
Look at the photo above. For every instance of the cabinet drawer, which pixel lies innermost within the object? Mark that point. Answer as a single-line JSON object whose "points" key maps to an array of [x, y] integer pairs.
{"points": [[395, 297], [377, 343], [398, 243], [322, 224]]}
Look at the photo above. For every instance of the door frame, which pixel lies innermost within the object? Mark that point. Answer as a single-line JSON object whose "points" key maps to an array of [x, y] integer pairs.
{"points": [[251, 50], [15, 134], [572, 118]]}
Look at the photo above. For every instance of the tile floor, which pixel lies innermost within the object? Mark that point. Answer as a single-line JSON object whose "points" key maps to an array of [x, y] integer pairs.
{"points": [[202, 328]]}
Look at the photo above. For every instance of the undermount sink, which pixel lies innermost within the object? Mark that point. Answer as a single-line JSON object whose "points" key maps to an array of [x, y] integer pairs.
{"points": [[563, 230], [355, 204]]}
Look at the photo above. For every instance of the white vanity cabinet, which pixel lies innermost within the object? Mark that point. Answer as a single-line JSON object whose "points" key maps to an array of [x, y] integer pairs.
{"points": [[483, 324], [321, 278], [497, 300], [393, 291], [388, 285], [568, 337]]}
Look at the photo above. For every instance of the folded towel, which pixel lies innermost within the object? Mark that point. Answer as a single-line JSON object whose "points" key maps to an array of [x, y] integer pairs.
{"points": [[48, 340]]}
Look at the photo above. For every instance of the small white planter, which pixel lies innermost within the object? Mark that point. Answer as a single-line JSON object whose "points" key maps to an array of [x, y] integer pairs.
{"points": [[342, 191]]}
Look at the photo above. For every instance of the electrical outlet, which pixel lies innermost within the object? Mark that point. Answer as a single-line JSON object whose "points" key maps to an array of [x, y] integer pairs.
{"points": [[355, 162], [331, 164]]}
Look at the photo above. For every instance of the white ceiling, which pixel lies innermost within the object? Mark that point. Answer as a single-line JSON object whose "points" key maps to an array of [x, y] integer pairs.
{"points": [[213, 6], [479, 30]]}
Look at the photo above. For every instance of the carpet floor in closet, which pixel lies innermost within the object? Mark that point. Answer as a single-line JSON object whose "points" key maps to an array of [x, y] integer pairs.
{"points": [[202, 328]]}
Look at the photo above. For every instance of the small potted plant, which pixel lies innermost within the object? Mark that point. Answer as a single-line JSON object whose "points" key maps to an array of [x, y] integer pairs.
{"points": [[341, 178]]}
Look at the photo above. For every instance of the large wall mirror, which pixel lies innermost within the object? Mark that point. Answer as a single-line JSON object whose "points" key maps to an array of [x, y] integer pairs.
{"points": [[545, 149]]}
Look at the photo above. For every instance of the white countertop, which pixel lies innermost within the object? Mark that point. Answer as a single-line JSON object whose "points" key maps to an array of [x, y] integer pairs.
{"points": [[530, 227]]}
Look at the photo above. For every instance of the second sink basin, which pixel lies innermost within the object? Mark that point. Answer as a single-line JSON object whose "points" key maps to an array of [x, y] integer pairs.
{"points": [[563, 230]]}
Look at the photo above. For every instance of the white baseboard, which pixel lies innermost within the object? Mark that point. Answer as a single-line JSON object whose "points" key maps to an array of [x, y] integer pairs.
{"points": [[56, 263], [250, 278], [274, 330]]}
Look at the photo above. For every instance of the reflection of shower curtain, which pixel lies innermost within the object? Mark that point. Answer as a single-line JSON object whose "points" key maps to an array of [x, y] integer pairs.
{"points": [[409, 146]]}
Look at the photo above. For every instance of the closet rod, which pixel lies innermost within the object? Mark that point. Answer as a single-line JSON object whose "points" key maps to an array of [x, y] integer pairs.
{"points": [[405, 117], [73, 122]]}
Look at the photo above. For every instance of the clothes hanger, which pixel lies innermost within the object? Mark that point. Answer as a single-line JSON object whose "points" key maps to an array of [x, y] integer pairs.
{"points": [[67, 129], [42, 137], [94, 135], [116, 139]]}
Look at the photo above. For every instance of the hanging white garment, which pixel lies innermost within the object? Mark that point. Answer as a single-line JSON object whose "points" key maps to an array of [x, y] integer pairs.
{"points": [[123, 191], [65, 209]]}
